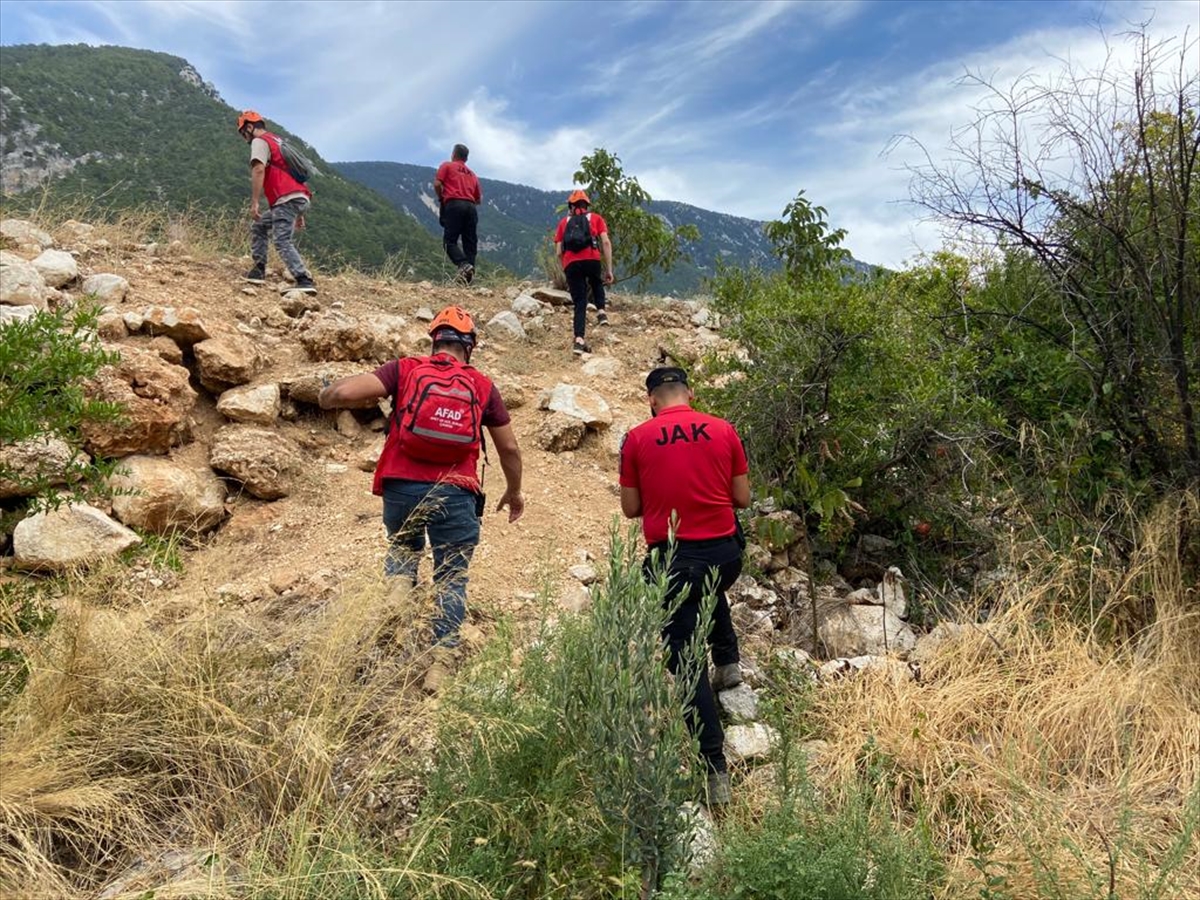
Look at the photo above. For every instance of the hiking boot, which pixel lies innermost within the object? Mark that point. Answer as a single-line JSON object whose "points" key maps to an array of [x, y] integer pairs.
{"points": [[726, 677], [439, 670], [580, 347], [256, 276], [602, 318], [718, 792], [304, 284], [465, 273]]}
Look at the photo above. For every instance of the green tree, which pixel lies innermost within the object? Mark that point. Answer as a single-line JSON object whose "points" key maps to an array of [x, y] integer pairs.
{"points": [[643, 243], [1092, 178]]}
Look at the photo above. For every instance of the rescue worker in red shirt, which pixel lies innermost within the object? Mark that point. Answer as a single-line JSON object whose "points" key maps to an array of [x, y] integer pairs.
{"points": [[580, 260], [687, 470], [459, 197], [287, 201], [427, 474]]}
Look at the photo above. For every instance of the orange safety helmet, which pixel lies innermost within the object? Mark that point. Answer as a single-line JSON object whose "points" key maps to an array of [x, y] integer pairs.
{"points": [[578, 197], [454, 324], [249, 117]]}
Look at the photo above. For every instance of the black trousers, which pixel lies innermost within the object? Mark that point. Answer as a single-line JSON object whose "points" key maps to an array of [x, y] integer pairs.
{"points": [[691, 569], [460, 219], [580, 275]]}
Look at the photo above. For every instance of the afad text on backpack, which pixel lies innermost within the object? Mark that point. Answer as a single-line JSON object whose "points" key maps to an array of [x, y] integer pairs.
{"points": [[440, 416]]}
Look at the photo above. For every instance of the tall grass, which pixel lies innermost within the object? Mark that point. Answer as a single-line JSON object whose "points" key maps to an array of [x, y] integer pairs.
{"points": [[1051, 761]]}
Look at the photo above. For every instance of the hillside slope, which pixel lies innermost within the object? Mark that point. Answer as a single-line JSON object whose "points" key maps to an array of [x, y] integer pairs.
{"points": [[515, 219], [111, 128]]}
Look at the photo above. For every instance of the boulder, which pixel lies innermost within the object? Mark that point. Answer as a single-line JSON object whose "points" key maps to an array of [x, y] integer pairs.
{"points": [[265, 462], [296, 303], [390, 336], [77, 231], [9, 314], [552, 296], [891, 592], [168, 351], [559, 432], [512, 392], [71, 536], [739, 703], [888, 667], [45, 459], [183, 325], [157, 403], [424, 314], [227, 361], [525, 305], [111, 326], [746, 743], [930, 645], [506, 324], [347, 425], [304, 387], [106, 287], [20, 283], [57, 267], [160, 495], [747, 590], [583, 573], [26, 235], [578, 403], [257, 404], [865, 631], [335, 336], [603, 367]]}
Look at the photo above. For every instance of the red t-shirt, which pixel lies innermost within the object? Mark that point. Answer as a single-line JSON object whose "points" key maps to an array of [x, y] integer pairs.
{"points": [[392, 461], [458, 182], [599, 227], [684, 461]]}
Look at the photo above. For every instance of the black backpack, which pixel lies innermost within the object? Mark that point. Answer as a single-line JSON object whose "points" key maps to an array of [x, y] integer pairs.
{"points": [[578, 234]]}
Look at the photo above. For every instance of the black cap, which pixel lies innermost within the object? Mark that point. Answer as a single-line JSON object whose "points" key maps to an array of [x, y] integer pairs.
{"points": [[665, 375]]}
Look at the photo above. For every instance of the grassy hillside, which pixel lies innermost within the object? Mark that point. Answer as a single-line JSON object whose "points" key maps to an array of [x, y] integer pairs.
{"points": [[117, 128]]}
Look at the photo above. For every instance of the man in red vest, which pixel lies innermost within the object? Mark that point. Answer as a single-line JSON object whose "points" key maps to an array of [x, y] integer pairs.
{"points": [[427, 474], [459, 197], [287, 200], [684, 472]]}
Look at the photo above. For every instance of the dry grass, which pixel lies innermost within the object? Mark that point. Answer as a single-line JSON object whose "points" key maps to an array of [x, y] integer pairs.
{"points": [[259, 734], [1064, 764]]}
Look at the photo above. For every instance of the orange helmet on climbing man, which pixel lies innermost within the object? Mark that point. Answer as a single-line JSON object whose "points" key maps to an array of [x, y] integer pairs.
{"points": [[248, 117], [578, 198], [453, 324]]}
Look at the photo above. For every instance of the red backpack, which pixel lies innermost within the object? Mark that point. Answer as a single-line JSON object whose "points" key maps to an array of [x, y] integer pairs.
{"points": [[440, 416]]}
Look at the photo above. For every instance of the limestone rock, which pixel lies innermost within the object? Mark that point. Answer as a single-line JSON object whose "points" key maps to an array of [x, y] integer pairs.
{"points": [[168, 351], [306, 385], [424, 314], [57, 267], [369, 456], [506, 324], [603, 367], [335, 336], [930, 645], [559, 432], [347, 425], [41, 458], [264, 461], [552, 296], [747, 590], [77, 231], [891, 592], [256, 404], [162, 496], [157, 400], [583, 573], [107, 287], [748, 620], [865, 631], [296, 303], [111, 326], [739, 703], [25, 235], [525, 305], [9, 314], [68, 537], [183, 325], [20, 283], [512, 392], [227, 361], [746, 743], [885, 666], [576, 599], [389, 334], [579, 403]]}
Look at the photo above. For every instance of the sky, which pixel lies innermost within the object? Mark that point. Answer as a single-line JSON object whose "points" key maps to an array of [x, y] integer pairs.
{"points": [[731, 106]]}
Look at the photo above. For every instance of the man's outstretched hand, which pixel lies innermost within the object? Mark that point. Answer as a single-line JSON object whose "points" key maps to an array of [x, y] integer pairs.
{"points": [[515, 503]]}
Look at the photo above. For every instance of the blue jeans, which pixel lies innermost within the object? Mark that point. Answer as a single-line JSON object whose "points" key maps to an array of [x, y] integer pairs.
{"points": [[447, 513]]}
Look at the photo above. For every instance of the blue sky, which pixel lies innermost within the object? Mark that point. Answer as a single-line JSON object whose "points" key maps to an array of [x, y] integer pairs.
{"points": [[733, 106]]}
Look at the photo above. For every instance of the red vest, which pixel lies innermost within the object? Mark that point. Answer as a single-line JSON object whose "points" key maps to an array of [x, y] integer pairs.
{"points": [[278, 181], [393, 463]]}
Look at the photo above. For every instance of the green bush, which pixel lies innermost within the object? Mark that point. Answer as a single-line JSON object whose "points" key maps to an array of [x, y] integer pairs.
{"points": [[561, 777], [44, 362]]}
